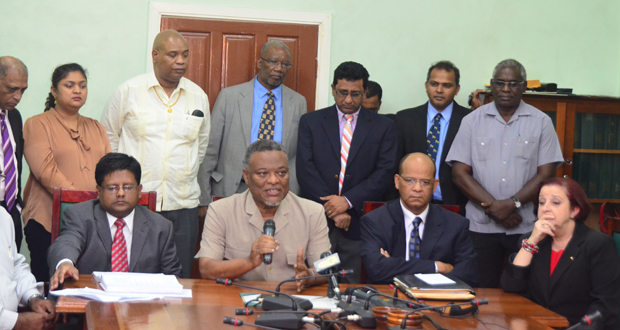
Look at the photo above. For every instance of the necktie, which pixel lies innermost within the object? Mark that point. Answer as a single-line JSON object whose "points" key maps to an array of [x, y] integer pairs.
{"points": [[268, 119], [119, 249], [432, 140], [347, 136], [10, 175], [414, 240]]}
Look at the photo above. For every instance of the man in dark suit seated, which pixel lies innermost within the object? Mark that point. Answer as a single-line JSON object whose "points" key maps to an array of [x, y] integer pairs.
{"points": [[113, 233], [411, 236], [439, 117]]}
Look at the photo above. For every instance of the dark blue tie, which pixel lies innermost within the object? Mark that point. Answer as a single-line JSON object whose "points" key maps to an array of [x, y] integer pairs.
{"points": [[414, 240], [432, 139]]}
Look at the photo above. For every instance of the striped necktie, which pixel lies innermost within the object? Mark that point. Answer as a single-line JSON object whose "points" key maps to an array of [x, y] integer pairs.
{"points": [[432, 140], [347, 136], [414, 240], [268, 119], [119, 249], [9, 173]]}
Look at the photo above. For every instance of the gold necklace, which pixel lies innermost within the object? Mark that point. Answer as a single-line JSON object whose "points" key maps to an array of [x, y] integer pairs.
{"points": [[162, 101]]}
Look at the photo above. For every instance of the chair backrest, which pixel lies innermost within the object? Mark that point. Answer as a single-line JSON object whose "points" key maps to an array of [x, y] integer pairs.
{"points": [[608, 210], [63, 198]]}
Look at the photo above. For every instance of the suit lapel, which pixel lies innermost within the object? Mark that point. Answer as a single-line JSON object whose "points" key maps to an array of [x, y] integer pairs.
{"points": [[139, 234], [246, 107], [362, 128], [453, 128], [256, 219], [433, 229], [399, 245], [287, 116], [332, 129], [103, 231], [570, 253], [542, 275], [419, 127]]}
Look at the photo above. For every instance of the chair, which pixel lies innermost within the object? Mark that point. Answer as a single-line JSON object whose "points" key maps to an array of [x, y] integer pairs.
{"points": [[201, 224], [610, 221], [63, 198]]}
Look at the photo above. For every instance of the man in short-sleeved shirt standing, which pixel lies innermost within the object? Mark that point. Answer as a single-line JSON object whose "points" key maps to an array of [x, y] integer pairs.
{"points": [[502, 152]]}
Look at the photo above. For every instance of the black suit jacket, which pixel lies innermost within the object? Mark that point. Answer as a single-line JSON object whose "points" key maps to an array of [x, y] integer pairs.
{"points": [[370, 165], [445, 239], [15, 120], [586, 278], [412, 132]]}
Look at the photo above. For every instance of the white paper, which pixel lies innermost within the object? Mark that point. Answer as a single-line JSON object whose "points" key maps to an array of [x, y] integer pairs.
{"points": [[318, 302], [435, 279], [99, 295], [138, 283]]}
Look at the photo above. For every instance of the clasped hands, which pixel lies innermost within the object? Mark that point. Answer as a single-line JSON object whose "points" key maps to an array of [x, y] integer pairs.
{"points": [[503, 212], [441, 267], [43, 315], [336, 209]]}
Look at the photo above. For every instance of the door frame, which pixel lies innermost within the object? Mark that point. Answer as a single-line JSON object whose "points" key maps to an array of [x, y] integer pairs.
{"points": [[322, 20]]}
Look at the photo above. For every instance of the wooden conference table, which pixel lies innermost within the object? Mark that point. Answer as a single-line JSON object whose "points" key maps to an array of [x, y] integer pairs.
{"points": [[211, 302]]}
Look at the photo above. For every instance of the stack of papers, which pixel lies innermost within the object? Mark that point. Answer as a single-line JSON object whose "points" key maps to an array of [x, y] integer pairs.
{"points": [[138, 283]]}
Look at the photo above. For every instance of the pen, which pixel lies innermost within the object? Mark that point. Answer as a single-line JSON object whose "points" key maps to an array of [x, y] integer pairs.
{"points": [[519, 138]]}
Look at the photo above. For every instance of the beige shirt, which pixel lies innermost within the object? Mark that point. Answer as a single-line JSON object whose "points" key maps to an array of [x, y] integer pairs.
{"points": [[170, 145], [59, 156], [234, 223]]}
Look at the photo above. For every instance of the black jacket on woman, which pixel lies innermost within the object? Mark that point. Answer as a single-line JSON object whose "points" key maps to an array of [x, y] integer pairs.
{"points": [[586, 278]]}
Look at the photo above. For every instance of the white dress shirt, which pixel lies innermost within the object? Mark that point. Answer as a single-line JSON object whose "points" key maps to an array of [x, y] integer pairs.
{"points": [[169, 145], [2, 177], [17, 284]]}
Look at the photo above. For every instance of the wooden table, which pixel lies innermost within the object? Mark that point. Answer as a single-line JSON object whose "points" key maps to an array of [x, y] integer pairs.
{"points": [[211, 302]]}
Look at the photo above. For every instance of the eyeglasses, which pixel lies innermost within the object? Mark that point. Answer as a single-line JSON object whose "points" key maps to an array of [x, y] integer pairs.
{"points": [[499, 84], [412, 182], [354, 95], [274, 64], [115, 189]]}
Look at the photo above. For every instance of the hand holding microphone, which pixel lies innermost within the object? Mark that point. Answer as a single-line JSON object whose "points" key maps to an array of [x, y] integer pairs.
{"points": [[262, 249]]}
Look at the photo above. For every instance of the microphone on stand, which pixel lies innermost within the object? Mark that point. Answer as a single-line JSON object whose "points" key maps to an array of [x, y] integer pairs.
{"points": [[587, 320], [276, 301], [269, 228], [322, 267]]}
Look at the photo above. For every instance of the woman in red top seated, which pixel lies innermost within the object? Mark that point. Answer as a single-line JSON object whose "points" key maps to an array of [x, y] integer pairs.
{"points": [[563, 265]]}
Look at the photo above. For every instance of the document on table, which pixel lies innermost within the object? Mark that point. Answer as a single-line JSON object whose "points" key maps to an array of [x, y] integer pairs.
{"points": [[318, 302], [138, 283], [435, 279], [99, 295]]}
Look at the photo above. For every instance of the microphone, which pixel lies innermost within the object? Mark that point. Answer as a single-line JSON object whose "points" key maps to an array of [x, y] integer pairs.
{"points": [[333, 289], [274, 302], [237, 323], [587, 320], [341, 273], [269, 228]]}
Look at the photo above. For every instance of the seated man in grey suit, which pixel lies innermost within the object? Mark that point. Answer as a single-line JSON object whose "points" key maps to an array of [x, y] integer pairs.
{"points": [[409, 235], [262, 108], [113, 233]]}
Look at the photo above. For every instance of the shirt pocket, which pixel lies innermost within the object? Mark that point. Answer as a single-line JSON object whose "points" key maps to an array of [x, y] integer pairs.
{"points": [[526, 147], [482, 149], [291, 258], [191, 128]]}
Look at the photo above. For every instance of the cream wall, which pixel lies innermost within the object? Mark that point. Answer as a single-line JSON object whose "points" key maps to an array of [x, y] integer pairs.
{"points": [[572, 42]]}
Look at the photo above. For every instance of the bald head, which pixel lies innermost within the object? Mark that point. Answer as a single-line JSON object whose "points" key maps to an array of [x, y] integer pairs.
{"points": [[11, 63], [163, 36], [170, 54], [417, 159]]}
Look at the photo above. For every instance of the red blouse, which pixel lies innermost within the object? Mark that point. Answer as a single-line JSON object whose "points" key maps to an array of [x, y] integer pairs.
{"points": [[555, 257]]}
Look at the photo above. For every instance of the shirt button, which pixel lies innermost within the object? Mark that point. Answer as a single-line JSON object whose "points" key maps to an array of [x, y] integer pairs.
{"points": [[525, 142], [505, 143], [482, 143], [506, 126], [503, 180], [504, 162], [336, 176]]}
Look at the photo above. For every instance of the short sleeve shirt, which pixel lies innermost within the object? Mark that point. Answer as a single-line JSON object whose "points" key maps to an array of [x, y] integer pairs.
{"points": [[504, 156]]}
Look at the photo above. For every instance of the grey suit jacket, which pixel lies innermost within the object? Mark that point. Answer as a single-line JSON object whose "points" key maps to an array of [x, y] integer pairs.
{"points": [[231, 124], [85, 239]]}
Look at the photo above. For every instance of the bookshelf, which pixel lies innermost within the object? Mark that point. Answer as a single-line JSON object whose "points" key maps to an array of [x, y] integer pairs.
{"points": [[588, 129]]}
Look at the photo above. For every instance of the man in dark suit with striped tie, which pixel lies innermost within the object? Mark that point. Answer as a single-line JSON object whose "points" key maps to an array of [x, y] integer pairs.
{"points": [[13, 84]]}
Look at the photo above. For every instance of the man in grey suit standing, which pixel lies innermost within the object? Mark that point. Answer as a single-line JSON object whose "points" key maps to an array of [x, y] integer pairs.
{"points": [[261, 108], [113, 233]]}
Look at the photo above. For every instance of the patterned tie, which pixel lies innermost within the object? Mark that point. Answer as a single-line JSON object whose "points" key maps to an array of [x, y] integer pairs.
{"points": [[432, 140], [414, 240], [10, 175], [268, 119], [119, 249], [347, 136]]}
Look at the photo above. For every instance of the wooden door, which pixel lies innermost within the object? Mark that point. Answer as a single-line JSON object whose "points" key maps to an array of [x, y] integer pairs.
{"points": [[224, 53]]}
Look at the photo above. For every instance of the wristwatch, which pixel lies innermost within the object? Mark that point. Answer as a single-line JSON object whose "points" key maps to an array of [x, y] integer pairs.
{"points": [[36, 295], [517, 203]]}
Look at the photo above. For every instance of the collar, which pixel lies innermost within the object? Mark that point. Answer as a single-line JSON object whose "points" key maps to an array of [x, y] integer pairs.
{"points": [[409, 216], [522, 110], [128, 220], [342, 114], [152, 82], [445, 114], [261, 91], [257, 219]]}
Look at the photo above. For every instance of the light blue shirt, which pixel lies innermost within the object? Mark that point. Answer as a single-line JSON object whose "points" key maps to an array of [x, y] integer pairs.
{"points": [[443, 131], [260, 97]]}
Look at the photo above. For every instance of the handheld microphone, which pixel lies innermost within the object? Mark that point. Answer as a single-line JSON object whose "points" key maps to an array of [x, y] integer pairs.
{"points": [[342, 273], [269, 228], [237, 323], [274, 302], [587, 320]]}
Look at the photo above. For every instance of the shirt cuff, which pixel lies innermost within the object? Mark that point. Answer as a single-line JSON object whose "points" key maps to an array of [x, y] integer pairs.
{"points": [[350, 205], [63, 260], [8, 319], [28, 294]]}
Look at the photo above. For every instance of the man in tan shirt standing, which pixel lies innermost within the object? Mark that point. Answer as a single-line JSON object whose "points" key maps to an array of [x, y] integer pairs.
{"points": [[233, 244]]}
